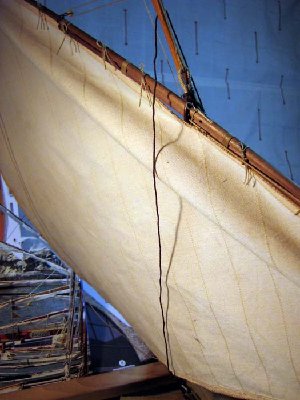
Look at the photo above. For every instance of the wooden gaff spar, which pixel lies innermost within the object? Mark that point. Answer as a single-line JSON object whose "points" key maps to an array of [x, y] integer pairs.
{"points": [[79, 159]]}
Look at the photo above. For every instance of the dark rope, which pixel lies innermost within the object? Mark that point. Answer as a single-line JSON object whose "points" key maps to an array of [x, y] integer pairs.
{"points": [[200, 104], [72, 14], [156, 196]]}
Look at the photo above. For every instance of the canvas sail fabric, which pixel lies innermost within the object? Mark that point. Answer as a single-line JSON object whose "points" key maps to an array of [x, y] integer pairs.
{"points": [[76, 150]]}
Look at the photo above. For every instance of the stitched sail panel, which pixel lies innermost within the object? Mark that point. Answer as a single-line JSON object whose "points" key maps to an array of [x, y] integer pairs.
{"points": [[76, 150]]}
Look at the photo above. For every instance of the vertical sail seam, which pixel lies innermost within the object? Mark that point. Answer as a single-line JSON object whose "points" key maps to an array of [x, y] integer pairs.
{"points": [[231, 263], [276, 289]]}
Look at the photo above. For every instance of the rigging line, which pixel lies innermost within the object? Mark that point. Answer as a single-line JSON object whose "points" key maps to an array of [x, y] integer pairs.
{"points": [[108, 322], [22, 222], [42, 283], [163, 48], [125, 27], [31, 296], [196, 38], [97, 8], [70, 333], [17, 226], [83, 330], [11, 233], [156, 195], [11, 214], [289, 165], [198, 98], [86, 3]]}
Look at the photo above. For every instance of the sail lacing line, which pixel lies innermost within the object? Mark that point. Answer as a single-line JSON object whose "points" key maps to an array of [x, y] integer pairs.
{"points": [[32, 296], [42, 22], [64, 27], [249, 173], [104, 52], [143, 87], [71, 13]]}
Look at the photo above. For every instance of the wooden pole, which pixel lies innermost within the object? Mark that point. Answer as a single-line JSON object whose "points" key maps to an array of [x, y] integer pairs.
{"points": [[182, 70]]}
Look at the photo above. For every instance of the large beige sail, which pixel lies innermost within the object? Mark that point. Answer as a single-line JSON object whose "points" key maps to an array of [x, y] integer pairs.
{"points": [[76, 150]]}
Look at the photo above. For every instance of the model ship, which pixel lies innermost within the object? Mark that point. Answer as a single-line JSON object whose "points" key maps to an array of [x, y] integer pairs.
{"points": [[196, 236], [42, 332]]}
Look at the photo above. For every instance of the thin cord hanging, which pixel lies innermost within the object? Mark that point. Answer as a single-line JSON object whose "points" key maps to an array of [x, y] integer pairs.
{"points": [[84, 4], [156, 197], [71, 13]]}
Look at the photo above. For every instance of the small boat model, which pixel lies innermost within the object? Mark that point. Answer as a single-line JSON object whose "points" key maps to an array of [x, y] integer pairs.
{"points": [[42, 330], [196, 237]]}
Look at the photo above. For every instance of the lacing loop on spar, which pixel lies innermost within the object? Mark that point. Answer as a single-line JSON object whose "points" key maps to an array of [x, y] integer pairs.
{"points": [[249, 173], [75, 44], [104, 52], [124, 67], [244, 148], [63, 26], [143, 83], [42, 23], [143, 86], [228, 143]]}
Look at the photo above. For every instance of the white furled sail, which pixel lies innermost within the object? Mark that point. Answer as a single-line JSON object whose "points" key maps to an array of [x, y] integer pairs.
{"points": [[76, 150]]}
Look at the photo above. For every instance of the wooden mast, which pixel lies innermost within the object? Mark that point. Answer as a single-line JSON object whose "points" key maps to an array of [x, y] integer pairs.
{"points": [[184, 76], [163, 19]]}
